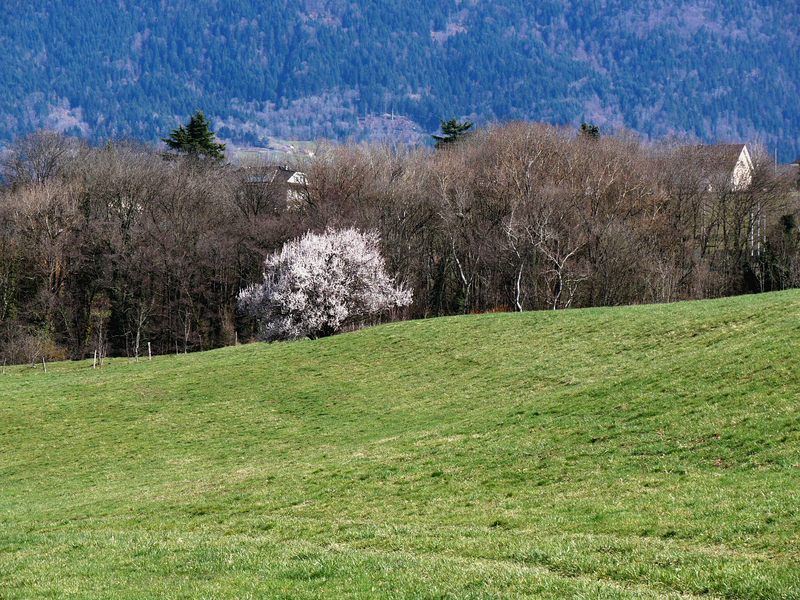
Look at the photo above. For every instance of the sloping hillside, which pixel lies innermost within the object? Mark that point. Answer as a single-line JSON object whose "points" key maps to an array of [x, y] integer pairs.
{"points": [[643, 452], [307, 69]]}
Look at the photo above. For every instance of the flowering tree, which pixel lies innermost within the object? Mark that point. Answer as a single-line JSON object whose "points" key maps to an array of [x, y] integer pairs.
{"points": [[320, 283]]}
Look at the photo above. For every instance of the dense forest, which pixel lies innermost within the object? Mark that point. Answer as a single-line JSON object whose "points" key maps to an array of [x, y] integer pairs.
{"points": [[111, 247], [310, 69]]}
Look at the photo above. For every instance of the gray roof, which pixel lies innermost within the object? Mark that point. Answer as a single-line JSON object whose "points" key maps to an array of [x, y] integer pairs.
{"points": [[271, 174]]}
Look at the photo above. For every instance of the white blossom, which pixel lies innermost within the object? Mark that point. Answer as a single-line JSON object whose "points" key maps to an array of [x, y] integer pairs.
{"points": [[320, 283]]}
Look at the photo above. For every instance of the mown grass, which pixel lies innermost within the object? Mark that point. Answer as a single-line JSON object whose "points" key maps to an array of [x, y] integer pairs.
{"points": [[641, 452]]}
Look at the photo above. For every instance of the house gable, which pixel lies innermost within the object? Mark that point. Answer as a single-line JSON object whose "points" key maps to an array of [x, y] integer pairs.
{"points": [[293, 183], [723, 165]]}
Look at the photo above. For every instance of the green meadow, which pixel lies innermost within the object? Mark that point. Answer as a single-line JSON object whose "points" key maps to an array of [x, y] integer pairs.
{"points": [[640, 452]]}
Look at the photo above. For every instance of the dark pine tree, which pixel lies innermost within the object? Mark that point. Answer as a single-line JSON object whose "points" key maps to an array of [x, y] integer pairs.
{"points": [[196, 139], [452, 131], [589, 130]]}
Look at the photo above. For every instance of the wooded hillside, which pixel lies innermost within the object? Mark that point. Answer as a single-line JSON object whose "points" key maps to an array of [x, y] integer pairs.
{"points": [[308, 69]]}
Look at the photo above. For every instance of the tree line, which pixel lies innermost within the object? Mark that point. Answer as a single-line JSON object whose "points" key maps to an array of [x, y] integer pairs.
{"points": [[108, 248]]}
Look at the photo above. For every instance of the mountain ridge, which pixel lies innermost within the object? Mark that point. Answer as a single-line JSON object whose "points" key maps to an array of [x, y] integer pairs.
{"points": [[306, 69]]}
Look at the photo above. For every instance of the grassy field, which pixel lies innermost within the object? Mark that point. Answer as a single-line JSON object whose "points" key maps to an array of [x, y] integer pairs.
{"points": [[644, 452]]}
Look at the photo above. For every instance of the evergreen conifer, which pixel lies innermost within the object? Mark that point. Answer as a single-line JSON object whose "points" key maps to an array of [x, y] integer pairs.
{"points": [[196, 139], [452, 131]]}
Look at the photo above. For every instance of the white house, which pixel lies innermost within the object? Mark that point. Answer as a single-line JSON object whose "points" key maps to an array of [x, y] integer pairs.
{"points": [[727, 165], [293, 182]]}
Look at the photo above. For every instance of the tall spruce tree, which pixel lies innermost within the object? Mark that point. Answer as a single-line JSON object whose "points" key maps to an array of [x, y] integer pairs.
{"points": [[452, 131], [590, 130], [196, 139]]}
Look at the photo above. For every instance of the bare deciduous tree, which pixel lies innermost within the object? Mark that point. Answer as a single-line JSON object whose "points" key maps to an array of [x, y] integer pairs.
{"points": [[39, 157]]}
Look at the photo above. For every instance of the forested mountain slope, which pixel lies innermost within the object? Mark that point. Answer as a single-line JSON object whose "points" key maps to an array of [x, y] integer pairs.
{"points": [[312, 68]]}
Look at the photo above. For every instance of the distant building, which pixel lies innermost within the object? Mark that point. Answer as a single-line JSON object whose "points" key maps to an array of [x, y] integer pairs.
{"points": [[717, 177], [722, 165], [292, 183]]}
